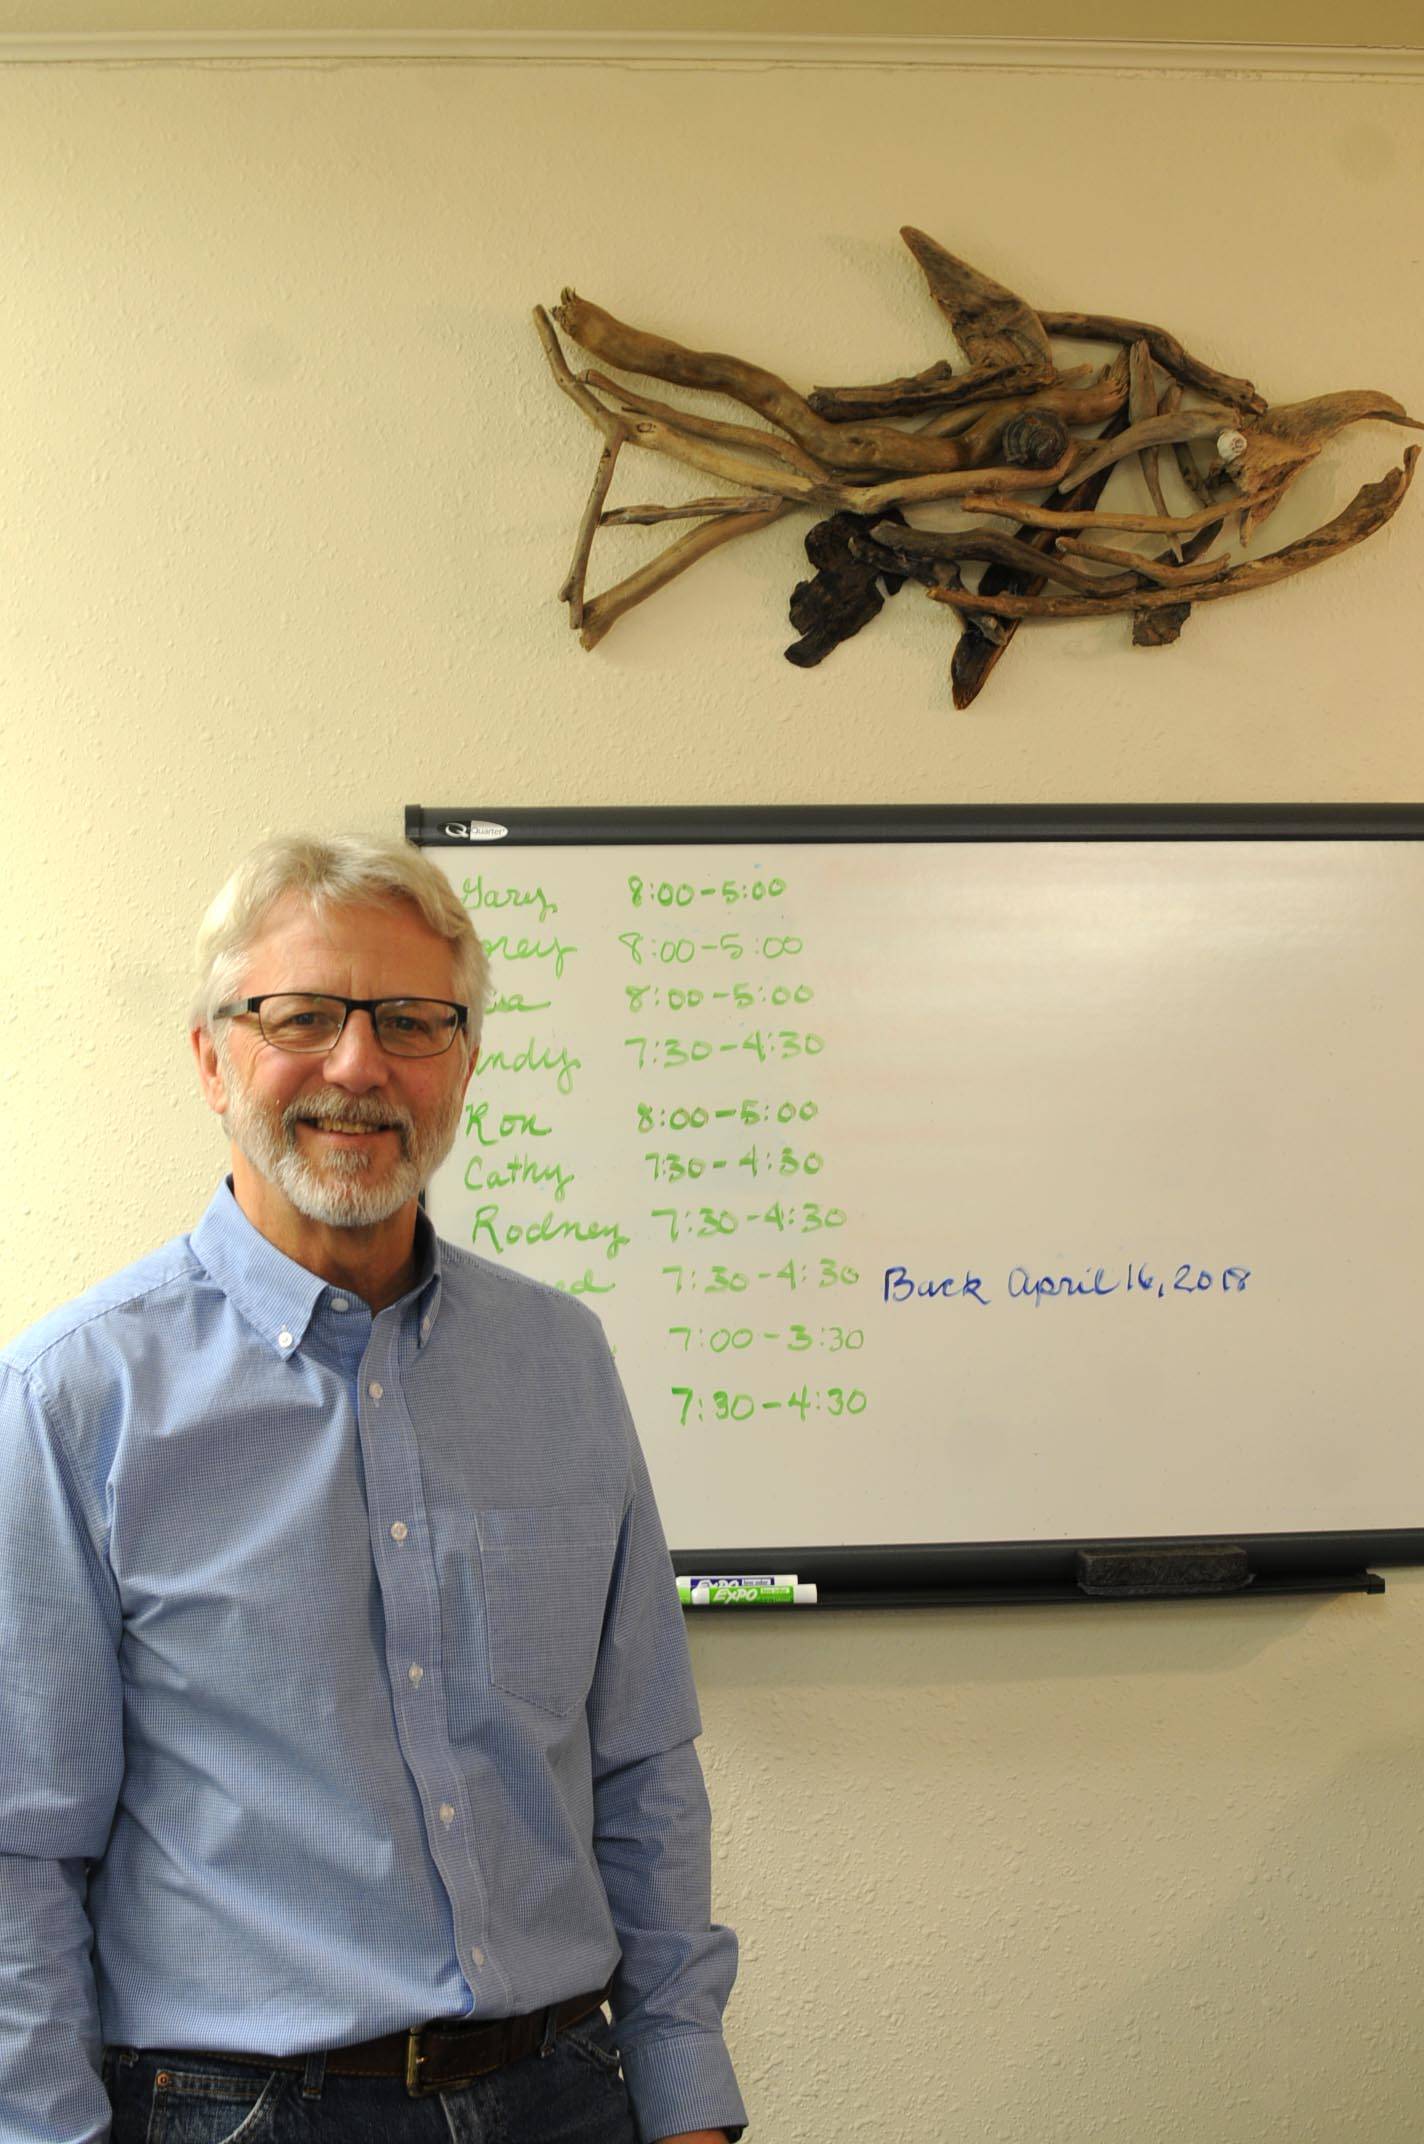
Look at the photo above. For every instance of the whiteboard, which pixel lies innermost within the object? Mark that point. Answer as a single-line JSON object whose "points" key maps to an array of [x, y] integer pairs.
{"points": [[1017, 1182]]}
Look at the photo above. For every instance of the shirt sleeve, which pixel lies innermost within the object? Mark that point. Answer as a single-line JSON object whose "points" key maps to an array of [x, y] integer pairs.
{"points": [[61, 1763], [652, 1837]]}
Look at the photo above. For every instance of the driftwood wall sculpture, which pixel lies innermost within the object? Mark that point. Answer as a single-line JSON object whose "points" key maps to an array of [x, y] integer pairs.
{"points": [[1012, 438]]}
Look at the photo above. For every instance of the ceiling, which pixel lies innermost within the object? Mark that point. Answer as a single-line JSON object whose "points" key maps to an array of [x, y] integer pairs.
{"points": [[1365, 24]]}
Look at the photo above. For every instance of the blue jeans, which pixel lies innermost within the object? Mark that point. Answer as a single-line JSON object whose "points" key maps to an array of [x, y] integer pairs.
{"points": [[574, 2094]]}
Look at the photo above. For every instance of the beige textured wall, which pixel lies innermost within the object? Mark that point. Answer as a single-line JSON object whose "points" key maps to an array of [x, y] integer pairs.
{"points": [[285, 493]]}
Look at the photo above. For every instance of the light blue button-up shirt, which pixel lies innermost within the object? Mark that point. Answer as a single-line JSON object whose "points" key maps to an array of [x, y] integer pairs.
{"points": [[343, 1682]]}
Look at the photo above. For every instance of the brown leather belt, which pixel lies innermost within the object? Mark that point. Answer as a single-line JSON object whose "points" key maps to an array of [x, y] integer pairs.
{"points": [[444, 2055]]}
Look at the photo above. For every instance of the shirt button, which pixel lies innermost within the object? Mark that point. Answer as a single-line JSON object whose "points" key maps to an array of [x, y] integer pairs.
{"points": [[416, 1672], [447, 1813], [478, 1955], [425, 1328], [399, 1530], [284, 1339], [376, 1391], [340, 1302]]}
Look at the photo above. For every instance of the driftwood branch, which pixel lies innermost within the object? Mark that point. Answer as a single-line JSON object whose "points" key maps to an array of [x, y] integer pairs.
{"points": [[1186, 460], [1154, 432], [732, 467], [602, 419], [1142, 404], [922, 554], [743, 436], [689, 510], [605, 610], [1165, 574], [1002, 337], [1369, 510], [1283, 441], [615, 436], [1165, 348], [930, 490], [1047, 517], [572, 590], [949, 423]]}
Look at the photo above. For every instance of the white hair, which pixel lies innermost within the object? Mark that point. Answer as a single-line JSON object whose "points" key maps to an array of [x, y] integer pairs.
{"points": [[335, 871]]}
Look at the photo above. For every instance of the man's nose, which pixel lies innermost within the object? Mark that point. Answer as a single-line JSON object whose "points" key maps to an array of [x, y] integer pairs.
{"points": [[356, 1060]]}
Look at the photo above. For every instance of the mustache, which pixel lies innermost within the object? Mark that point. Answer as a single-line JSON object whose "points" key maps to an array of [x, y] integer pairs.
{"points": [[329, 1108]]}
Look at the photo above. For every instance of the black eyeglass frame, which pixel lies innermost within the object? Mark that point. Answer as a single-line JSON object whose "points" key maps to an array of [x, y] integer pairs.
{"points": [[370, 1006]]}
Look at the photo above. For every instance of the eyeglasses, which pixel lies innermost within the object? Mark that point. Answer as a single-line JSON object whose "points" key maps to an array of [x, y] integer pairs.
{"points": [[311, 1023]]}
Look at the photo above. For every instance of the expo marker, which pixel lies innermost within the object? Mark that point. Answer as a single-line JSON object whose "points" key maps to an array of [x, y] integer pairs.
{"points": [[724, 1578], [725, 1596]]}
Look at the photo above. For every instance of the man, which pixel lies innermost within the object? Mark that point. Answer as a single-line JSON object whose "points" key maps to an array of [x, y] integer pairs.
{"points": [[345, 1710]]}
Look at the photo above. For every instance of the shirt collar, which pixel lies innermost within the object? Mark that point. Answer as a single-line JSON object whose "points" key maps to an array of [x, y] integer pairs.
{"points": [[278, 1297]]}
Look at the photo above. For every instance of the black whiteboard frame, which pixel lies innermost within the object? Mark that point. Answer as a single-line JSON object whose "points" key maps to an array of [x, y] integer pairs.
{"points": [[1002, 1572]]}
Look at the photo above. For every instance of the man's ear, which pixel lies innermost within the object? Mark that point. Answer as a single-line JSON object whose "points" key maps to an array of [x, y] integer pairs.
{"points": [[210, 1075], [470, 1070]]}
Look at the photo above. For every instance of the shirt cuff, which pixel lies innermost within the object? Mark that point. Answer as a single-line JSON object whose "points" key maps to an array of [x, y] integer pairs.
{"points": [[681, 2083]]}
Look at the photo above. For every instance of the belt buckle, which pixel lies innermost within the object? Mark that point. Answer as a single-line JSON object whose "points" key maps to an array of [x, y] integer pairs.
{"points": [[414, 2057]]}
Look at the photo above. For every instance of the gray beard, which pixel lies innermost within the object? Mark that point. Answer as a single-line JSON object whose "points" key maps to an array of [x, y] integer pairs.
{"points": [[336, 1192]]}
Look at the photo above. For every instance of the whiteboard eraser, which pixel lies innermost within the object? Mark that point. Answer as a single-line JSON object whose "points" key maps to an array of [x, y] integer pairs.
{"points": [[1139, 1573]]}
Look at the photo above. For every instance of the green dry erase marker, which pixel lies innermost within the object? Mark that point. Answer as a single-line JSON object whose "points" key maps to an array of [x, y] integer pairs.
{"points": [[751, 1597], [724, 1578]]}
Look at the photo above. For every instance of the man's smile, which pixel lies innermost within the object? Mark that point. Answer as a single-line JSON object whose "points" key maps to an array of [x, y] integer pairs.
{"points": [[338, 1129], [356, 1128]]}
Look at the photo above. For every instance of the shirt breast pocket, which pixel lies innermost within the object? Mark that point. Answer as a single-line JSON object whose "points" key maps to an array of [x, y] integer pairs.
{"points": [[547, 1570]]}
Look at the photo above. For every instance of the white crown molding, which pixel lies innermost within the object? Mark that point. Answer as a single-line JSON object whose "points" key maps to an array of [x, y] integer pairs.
{"points": [[707, 49]]}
